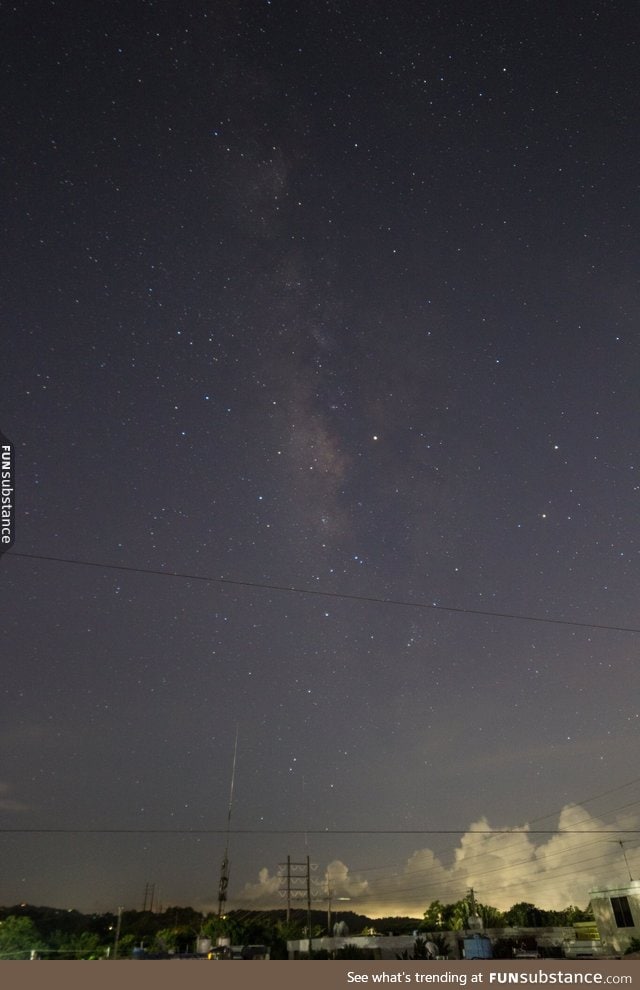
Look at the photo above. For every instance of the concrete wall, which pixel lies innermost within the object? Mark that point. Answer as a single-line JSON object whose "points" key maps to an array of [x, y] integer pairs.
{"points": [[616, 938], [381, 946], [391, 946]]}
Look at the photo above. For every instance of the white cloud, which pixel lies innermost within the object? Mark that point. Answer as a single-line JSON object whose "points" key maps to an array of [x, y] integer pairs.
{"points": [[551, 871], [519, 865], [342, 883], [270, 890], [264, 893]]}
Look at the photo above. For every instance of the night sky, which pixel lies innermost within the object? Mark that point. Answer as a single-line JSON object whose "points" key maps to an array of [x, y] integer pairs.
{"points": [[340, 298]]}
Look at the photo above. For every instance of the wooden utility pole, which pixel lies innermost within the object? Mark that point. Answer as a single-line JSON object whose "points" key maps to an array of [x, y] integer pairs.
{"points": [[117, 938]]}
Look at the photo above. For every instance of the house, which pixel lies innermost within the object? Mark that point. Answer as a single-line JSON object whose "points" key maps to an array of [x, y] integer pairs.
{"points": [[617, 914]]}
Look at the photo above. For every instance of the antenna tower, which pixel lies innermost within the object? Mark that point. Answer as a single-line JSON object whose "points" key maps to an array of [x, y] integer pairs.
{"points": [[224, 869]]}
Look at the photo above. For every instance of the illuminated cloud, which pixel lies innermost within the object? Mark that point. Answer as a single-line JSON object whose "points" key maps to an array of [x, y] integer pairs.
{"points": [[270, 890], [342, 884], [503, 868], [264, 893], [506, 867]]}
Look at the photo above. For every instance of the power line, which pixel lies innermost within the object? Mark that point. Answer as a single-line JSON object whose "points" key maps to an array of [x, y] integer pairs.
{"points": [[518, 831], [525, 830], [417, 880], [319, 831], [314, 592], [593, 797]]}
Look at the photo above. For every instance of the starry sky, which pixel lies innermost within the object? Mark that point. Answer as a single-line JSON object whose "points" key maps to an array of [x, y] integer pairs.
{"points": [[320, 363]]}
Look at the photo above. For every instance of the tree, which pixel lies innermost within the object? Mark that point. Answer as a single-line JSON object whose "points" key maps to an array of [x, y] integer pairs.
{"points": [[282, 932], [454, 917], [434, 917], [525, 915], [19, 938], [569, 915], [87, 946], [491, 917], [167, 940], [125, 946], [231, 926], [420, 950]]}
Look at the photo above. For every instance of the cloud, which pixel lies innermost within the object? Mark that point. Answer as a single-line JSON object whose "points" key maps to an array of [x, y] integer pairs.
{"points": [[518, 865], [342, 884], [271, 890], [265, 893], [503, 867]]}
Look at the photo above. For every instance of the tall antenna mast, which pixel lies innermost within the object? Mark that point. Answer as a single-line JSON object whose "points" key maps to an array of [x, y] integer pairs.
{"points": [[224, 869]]}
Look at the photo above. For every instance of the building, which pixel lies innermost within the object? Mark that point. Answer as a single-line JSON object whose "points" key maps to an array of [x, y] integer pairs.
{"points": [[617, 914]]}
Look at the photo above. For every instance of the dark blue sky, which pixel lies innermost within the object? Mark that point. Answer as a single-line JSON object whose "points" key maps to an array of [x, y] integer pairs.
{"points": [[342, 299]]}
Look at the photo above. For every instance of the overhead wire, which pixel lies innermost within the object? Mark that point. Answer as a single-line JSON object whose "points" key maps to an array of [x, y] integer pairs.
{"points": [[314, 831], [387, 886], [292, 589], [317, 593], [423, 877], [518, 830]]}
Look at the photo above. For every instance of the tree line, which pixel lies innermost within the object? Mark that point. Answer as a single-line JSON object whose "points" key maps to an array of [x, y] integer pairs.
{"points": [[27, 931], [454, 917]]}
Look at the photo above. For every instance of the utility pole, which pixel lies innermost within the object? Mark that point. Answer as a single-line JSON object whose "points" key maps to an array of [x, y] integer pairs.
{"points": [[117, 938], [288, 889], [149, 890], [294, 879], [295, 884]]}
